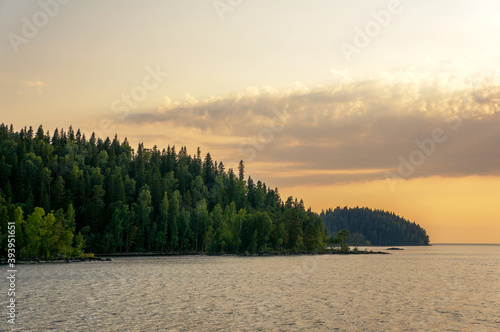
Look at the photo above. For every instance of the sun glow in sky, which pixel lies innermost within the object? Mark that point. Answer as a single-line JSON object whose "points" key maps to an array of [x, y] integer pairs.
{"points": [[387, 104]]}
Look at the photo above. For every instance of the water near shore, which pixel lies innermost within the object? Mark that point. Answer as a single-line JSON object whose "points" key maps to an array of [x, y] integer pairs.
{"points": [[454, 287]]}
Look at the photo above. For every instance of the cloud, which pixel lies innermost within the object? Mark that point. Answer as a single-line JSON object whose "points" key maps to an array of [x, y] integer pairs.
{"points": [[341, 76], [352, 130], [37, 85]]}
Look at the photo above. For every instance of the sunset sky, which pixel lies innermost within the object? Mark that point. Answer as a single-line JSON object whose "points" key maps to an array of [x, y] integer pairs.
{"points": [[384, 104]]}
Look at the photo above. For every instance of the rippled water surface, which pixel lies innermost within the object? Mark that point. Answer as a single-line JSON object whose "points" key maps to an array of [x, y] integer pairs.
{"points": [[454, 287]]}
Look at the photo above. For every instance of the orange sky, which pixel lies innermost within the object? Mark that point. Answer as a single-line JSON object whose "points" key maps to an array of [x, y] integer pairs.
{"points": [[463, 210]]}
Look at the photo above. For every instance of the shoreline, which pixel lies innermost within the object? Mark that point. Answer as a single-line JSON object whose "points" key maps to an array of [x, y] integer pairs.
{"points": [[108, 257]]}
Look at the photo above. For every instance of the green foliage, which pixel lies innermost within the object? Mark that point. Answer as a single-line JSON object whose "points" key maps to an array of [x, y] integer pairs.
{"points": [[342, 239], [374, 227], [256, 232], [143, 210], [97, 194], [33, 230]]}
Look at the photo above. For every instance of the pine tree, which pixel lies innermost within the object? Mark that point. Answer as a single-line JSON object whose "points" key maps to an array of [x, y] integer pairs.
{"points": [[143, 214], [241, 171]]}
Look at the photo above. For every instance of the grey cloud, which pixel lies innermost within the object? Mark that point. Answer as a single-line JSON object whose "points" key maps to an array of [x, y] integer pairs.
{"points": [[364, 125]]}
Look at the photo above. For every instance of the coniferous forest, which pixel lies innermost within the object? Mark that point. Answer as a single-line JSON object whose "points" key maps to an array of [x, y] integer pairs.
{"points": [[374, 227], [67, 193]]}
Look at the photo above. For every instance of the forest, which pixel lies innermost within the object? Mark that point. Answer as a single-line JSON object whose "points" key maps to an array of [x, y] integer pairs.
{"points": [[67, 193], [373, 227]]}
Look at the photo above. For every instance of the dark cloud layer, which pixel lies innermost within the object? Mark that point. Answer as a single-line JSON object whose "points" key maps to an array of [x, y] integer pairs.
{"points": [[370, 125]]}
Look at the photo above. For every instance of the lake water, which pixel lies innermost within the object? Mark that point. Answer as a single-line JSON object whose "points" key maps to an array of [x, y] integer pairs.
{"points": [[436, 288]]}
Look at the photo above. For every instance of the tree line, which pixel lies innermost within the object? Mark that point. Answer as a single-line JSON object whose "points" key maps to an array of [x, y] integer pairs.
{"points": [[67, 193], [373, 227]]}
